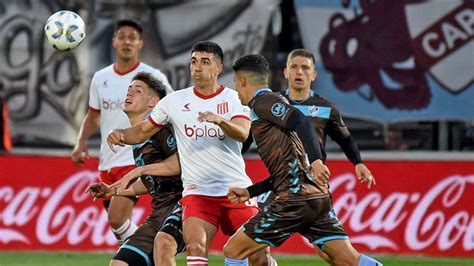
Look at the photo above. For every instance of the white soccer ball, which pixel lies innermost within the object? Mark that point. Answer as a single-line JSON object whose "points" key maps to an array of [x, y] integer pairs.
{"points": [[65, 30]]}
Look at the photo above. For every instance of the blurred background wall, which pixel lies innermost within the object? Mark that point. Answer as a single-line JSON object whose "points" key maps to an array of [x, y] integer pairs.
{"points": [[400, 71]]}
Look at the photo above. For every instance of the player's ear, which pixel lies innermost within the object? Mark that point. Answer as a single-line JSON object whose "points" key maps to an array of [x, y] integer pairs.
{"points": [[153, 101], [285, 72], [220, 68], [315, 74]]}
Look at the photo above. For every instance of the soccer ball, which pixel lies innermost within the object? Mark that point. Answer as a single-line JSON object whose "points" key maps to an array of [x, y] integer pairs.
{"points": [[65, 30]]}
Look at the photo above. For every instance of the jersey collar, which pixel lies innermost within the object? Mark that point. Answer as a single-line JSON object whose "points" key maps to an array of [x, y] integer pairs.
{"points": [[261, 90]]}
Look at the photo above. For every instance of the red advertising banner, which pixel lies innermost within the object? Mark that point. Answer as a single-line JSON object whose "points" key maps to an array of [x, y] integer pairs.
{"points": [[417, 207]]}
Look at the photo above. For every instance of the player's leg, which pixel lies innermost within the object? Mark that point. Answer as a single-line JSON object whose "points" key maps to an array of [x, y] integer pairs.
{"points": [[165, 249], [120, 208], [200, 224], [327, 233], [169, 241], [239, 247], [138, 249], [323, 255], [238, 214]]}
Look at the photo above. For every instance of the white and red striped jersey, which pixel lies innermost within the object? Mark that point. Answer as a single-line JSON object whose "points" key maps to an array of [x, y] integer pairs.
{"points": [[107, 94], [211, 161]]}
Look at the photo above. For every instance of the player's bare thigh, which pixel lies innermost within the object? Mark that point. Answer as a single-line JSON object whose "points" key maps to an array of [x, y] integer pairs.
{"points": [[341, 252], [240, 246], [197, 235]]}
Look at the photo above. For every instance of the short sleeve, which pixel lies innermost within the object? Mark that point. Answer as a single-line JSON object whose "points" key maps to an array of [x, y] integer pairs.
{"points": [[94, 101], [159, 115]]}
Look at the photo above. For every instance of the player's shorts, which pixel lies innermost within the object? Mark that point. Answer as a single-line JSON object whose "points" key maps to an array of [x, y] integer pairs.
{"points": [[113, 174], [219, 211], [315, 219], [138, 249]]}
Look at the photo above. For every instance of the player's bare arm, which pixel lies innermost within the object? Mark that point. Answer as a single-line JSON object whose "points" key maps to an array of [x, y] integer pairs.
{"points": [[168, 167], [364, 175], [136, 189], [100, 191], [132, 135], [89, 126], [237, 128]]}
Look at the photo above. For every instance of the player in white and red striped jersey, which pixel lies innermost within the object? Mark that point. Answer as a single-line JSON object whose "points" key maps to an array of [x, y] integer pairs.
{"points": [[209, 123], [107, 94]]}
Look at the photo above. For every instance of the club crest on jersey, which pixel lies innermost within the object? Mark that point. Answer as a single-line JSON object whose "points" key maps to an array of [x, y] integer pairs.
{"points": [[278, 109], [313, 110], [223, 108], [171, 141]]}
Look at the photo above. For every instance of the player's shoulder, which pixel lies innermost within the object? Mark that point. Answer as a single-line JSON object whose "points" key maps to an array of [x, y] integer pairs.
{"points": [[318, 99], [108, 70]]}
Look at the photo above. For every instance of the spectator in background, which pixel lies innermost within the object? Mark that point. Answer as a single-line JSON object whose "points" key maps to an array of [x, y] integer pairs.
{"points": [[107, 92], [394, 141]]}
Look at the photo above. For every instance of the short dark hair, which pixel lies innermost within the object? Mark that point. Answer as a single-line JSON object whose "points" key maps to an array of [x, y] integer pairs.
{"points": [[130, 23], [209, 47], [303, 53], [155, 84], [255, 65]]}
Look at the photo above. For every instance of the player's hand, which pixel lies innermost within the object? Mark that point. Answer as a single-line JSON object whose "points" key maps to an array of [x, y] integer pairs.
{"points": [[115, 137], [238, 195], [320, 171], [100, 190], [124, 182], [364, 175], [80, 154], [209, 117]]}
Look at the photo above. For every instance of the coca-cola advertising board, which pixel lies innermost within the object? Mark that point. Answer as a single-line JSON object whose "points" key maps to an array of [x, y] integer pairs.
{"points": [[417, 207]]}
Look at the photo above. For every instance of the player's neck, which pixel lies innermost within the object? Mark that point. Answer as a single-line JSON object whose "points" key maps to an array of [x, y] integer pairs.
{"points": [[123, 65], [299, 95], [136, 118], [207, 89]]}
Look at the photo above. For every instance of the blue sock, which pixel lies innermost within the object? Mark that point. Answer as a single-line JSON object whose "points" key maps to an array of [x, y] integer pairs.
{"points": [[368, 261], [234, 262]]}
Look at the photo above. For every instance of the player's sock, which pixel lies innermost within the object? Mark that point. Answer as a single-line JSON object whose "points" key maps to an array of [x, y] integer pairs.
{"points": [[125, 231], [368, 261], [196, 261], [234, 262], [272, 262]]}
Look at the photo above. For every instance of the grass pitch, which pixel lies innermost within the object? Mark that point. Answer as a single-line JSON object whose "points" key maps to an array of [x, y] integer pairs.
{"points": [[101, 259]]}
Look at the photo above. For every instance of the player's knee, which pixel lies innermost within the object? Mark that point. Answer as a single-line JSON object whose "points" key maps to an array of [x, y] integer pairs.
{"points": [[116, 220], [233, 252], [326, 258], [165, 245], [345, 259], [196, 249]]}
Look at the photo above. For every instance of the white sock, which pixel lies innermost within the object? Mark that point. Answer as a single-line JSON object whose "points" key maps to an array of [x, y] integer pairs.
{"points": [[196, 261], [125, 231], [272, 262], [365, 260], [235, 262]]}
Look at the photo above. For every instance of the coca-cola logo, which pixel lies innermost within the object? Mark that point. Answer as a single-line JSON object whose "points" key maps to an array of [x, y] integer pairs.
{"points": [[422, 216], [57, 214]]}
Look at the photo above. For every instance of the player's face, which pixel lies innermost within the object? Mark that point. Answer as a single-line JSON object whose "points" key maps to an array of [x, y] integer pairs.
{"points": [[300, 73], [138, 98], [204, 68], [127, 43]]}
